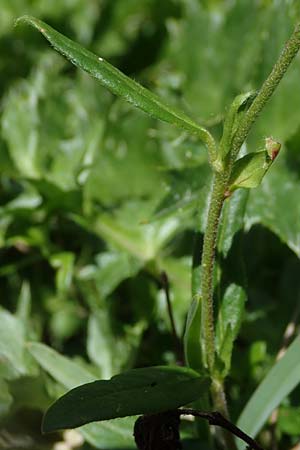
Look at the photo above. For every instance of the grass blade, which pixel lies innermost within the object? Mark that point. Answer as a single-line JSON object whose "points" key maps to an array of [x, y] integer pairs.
{"points": [[280, 381]]}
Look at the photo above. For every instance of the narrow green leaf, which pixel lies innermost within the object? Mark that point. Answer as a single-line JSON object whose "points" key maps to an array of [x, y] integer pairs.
{"points": [[64, 370], [279, 382], [138, 391], [118, 83], [24, 303]]}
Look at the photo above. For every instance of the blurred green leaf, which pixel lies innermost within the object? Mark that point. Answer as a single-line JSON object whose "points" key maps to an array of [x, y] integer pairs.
{"points": [[268, 205], [66, 317], [110, 434], [47, 129], [81, 17], [181, 191], [126, 156], [126, 233], [64, 263], [64, 370], [273, 121], [29, 392], [15, 361], [24, 304], [6, 399], [109, 269], [139, 391], [108, 351], [237, 44], [289, 420]]}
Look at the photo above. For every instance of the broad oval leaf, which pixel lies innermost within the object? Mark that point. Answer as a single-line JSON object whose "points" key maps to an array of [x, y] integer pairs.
{"points": [[139, 391], [118, 83]]}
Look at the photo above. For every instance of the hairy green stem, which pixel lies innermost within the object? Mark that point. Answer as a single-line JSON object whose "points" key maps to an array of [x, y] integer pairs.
{"points": [[207, 138], [219, 188], [207, 269], [289, 52], [220, 404]]}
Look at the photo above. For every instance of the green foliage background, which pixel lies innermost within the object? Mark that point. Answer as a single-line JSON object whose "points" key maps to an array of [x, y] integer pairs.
{"points": [[96, 199]]}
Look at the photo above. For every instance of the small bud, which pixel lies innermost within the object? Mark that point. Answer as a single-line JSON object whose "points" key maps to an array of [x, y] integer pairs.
{"points": [[227, 193], [272, 147]]}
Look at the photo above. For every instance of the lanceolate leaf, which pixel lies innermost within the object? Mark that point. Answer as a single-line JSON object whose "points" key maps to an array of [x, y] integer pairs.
{"points": [[138, 391], [118, 83]]}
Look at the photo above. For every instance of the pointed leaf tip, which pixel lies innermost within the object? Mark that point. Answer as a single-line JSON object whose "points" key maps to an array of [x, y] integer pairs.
{"points": [[119, 84]]}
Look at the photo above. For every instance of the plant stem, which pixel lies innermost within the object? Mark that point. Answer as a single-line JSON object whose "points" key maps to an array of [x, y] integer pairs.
{"points": [[207, 269], [220, 404], [289, 52], [219, 188], [207, 315]]}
